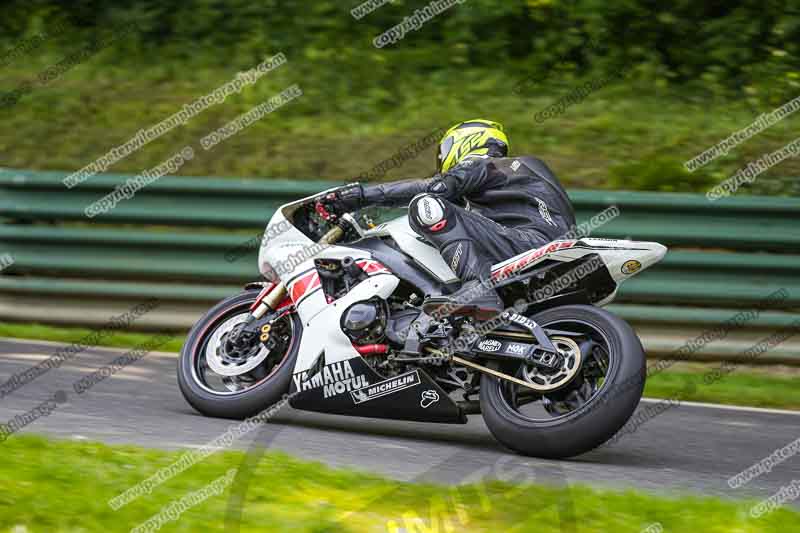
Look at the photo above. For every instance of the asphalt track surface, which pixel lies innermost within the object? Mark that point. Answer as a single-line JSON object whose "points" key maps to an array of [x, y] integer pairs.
{"points": [[690, 449]]}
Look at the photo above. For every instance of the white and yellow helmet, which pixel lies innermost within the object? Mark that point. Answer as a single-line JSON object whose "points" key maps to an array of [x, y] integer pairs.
{"points": [[469, 138]]}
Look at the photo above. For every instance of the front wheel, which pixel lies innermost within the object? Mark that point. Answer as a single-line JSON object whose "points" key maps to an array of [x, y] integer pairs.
{"points": [[598, 400], [221, 375]]}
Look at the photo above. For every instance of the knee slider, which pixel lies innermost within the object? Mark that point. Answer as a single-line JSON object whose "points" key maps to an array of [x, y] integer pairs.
{"points": [[428, 212]]}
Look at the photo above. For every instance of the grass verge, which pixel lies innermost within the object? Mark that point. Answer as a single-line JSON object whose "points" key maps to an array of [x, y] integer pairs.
{"points": [[775, 387], [120, 339], [65, 486]]}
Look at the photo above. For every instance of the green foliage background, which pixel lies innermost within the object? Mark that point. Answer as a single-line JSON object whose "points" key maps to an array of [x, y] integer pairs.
{"points": [[696, 72]]}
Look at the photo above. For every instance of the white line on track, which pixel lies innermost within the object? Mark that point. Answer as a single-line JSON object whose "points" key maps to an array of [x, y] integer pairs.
{"points": [[729, 407], [644, 400]]}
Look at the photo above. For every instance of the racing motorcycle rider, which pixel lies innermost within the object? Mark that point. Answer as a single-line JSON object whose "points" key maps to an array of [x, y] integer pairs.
{"points": [[481, 208]]}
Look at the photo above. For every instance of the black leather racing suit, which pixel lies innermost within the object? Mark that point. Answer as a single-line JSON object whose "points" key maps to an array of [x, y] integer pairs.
{"points": [[483, 210]]}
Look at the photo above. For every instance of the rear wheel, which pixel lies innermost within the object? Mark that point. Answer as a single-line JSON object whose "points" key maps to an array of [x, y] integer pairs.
{"points": [[584, 406], [225, 376]]}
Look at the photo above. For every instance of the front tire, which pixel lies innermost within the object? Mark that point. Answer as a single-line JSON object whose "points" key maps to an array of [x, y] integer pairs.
{"points": [[253, 389], [572, 432]]}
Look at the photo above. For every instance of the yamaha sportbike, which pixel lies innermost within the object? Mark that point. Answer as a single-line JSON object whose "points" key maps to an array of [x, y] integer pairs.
{"points": [[338, 326]]}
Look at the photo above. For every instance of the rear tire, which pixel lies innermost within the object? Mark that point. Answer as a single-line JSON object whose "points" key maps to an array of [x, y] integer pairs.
{"points": [[252, 400], [591, 424]]}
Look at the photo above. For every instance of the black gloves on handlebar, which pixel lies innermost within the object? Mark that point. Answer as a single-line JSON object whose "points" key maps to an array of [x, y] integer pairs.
{"points": [[345, 200]]}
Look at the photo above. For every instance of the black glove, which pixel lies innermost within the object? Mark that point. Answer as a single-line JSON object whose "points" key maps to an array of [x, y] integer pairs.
{"points": [[345, 200]]}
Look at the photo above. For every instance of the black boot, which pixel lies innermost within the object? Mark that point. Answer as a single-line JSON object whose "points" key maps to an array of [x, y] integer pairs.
{"points": [[473, 299]]}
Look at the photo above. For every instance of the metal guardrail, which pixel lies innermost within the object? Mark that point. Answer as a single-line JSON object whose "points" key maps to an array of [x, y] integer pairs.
{"points": [[172, 239]]}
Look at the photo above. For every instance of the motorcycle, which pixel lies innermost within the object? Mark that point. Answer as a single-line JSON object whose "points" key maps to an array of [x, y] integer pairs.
{"points": [[338, 326]]}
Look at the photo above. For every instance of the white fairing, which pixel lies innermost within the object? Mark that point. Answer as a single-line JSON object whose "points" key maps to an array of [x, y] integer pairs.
{"points": [[622, 258], [291, 254], [323, 331], [616, 253], [425, 255]]}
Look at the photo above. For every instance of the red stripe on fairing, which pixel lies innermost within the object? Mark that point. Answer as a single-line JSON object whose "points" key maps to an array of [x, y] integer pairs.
{"points": [[303, 285], [522, 262], [310, 281], [370, 266]]}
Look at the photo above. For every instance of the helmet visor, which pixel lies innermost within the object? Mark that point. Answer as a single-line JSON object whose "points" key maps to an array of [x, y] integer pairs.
{"points": [[444, 149]]}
